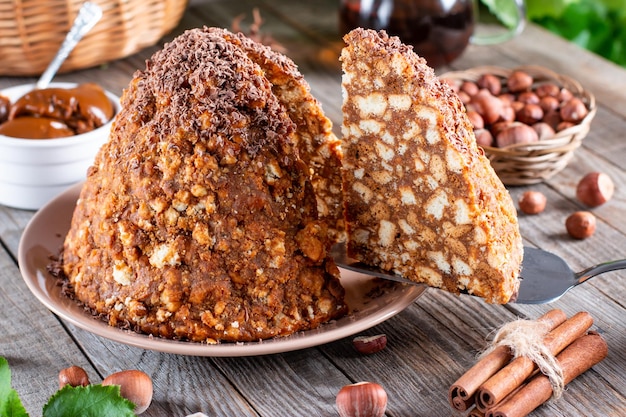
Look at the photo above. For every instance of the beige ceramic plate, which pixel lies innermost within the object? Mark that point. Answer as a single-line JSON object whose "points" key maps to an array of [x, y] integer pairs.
{"points": [[371, 301]]}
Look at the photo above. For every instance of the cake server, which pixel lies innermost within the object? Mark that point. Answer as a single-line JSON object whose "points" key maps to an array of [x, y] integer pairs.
{"points": [[545, 276]]}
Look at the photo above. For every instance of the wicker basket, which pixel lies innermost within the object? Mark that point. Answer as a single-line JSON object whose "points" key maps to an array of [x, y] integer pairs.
{"points": [[31, 32], [523, 164]]}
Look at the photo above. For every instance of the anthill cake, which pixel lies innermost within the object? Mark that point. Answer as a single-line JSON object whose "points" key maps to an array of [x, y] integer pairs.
{"points": [[421, 198], [198, 220]]}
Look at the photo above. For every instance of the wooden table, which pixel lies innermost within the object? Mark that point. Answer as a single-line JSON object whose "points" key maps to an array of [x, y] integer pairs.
{"points": [[432, 342]]}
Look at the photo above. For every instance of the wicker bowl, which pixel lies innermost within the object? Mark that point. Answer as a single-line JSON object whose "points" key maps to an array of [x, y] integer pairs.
{"points": [[31, 32], [531, 163]]}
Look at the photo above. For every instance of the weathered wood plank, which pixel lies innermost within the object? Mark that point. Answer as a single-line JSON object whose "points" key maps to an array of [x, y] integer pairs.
{"points": [[32, 340]]}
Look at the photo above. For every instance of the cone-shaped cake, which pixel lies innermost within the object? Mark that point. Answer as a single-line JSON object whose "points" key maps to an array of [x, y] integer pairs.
{"points": [[421, 198], [198, 220]]}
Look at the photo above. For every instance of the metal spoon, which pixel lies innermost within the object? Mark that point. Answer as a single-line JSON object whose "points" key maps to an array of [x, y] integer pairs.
{"points": [[87, 17], [546, 277]]}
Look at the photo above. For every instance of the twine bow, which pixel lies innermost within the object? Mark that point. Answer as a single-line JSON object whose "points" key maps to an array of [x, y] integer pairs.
{"points": [[525, 338]]}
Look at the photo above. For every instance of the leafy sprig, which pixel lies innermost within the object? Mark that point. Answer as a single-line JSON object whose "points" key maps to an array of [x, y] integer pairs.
{"points": [[89, 401]]}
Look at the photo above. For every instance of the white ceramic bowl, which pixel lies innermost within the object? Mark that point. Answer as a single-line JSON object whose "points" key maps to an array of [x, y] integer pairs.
{"points": [[33, 171]]}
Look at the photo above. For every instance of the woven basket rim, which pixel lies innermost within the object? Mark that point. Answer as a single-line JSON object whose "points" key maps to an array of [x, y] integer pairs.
{"points": [[32, 31]]}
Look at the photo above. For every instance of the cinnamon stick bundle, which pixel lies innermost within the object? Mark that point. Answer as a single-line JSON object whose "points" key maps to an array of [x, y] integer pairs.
{"points": [[583, 353], [462, 393], [507, 379]]}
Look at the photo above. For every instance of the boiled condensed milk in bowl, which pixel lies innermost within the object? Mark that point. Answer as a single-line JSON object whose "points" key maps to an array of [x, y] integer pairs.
{"points": [[48, 139]]}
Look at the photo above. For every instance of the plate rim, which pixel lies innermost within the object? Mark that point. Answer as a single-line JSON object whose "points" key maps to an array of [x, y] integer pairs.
{"points": [[405, 295]]}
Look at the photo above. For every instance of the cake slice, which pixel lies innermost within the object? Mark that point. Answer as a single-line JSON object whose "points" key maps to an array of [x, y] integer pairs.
{"points": [[421, 199]]}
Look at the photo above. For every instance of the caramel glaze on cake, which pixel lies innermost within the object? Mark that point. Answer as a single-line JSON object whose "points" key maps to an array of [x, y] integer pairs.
{"points": [[198, 220], [421, 198]]}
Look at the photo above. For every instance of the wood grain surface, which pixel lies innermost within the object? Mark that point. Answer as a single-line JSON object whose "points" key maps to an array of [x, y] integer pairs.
{"points": [[433, 341]]}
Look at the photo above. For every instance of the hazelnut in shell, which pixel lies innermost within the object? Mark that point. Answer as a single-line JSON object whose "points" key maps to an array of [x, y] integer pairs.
{"points": [[547, 90], [516, 133], [488, 105], [74, 376], [573, 110], [363, 399], [544, 130], [581, 224], [483, 137], [491, 83], [595, 189], [532, 202], [135, 386], [530, 114], [519, 81]]}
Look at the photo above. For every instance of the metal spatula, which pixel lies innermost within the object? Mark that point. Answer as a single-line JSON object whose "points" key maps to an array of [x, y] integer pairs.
{"points": [[545, 276]]}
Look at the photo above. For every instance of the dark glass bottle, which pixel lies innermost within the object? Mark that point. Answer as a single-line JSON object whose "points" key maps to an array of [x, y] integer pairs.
{"points": [[439, 30]]}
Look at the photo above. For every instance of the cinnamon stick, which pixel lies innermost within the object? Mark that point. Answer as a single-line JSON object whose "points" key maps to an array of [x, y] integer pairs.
{"points": [[461, 393], [496, 388], [578, 357]]}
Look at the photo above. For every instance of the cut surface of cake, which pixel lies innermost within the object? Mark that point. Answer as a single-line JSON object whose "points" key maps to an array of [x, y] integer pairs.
{"points": [[318, 146], [421, 199], [198, 220]]}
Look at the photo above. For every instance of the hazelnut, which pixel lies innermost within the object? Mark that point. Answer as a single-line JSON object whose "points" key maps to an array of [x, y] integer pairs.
{"points": [[552, 118], [549, 103], [581, 224], [500, 126], [564, 125], [532, 202], [370, 344], [530, 114], [475, 119], [516, 133], [135, 386], [363, 399], [489, 106], [544, 130], [573, 110], [483, 137], [469, 87], [508, 113], [74, 376], [517, 105], [507, 98], [595, 189], [491, 83], [528, 97], [547, 90], [519, 81], [564, 95]]}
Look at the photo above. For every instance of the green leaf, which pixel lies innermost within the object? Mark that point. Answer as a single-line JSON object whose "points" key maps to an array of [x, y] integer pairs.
{"points": [[89, 401], [537, 9], [10, 403]]}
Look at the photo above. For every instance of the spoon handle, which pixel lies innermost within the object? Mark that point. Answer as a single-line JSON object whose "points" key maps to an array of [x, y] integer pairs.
{"points": [[584, 275], [87, 17]]}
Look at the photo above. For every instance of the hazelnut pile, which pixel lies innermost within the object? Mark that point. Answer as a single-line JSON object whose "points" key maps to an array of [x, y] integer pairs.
{"points": [[517, 109]]}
